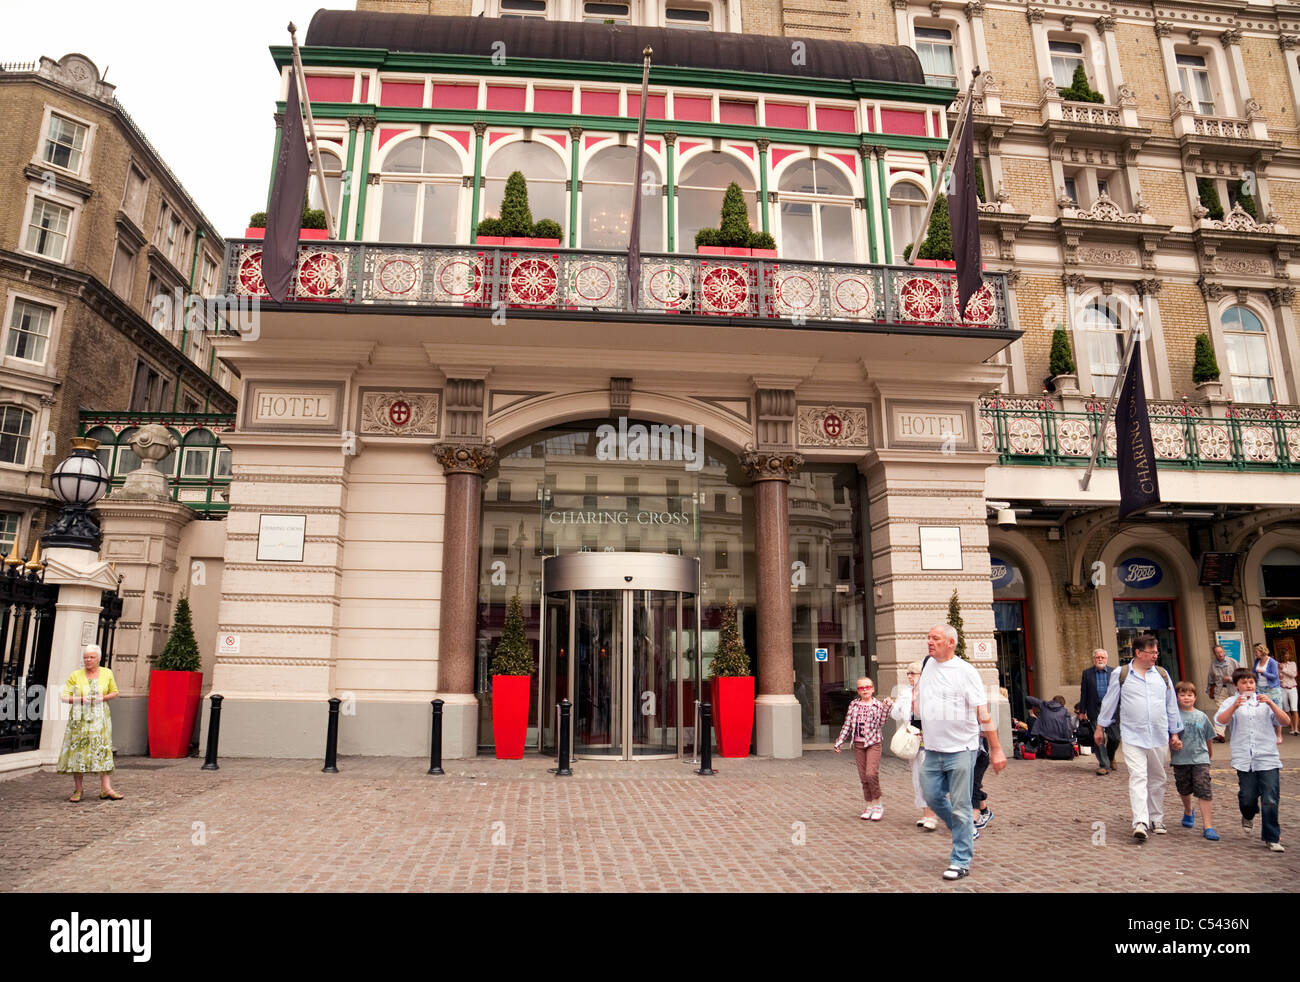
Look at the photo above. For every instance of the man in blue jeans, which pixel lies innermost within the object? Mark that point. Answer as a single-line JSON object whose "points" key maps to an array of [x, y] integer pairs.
{"points": [[953, 709]]}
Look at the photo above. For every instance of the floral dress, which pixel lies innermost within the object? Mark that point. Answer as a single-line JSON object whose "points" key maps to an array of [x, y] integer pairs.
{"points": [[88, 740]]}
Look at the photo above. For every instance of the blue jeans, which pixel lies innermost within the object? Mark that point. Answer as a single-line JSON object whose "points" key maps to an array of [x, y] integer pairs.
{"points": [[946, 784], [1257, 791]]}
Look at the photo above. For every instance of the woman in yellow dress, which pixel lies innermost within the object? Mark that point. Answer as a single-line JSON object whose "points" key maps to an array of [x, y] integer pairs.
{"points": [[88, 740]]}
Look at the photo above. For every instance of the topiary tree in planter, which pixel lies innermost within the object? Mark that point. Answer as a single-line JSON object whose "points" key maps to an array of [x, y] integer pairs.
{"points": [[181, 653], [1079, 90], [1206, 366], [516, 216], [731, 660], [735, 228], [938, 238], [512, 669], [175, 686], [513, 655], [733, 688], [954, 619], [1061, 360], [1208, 192]]}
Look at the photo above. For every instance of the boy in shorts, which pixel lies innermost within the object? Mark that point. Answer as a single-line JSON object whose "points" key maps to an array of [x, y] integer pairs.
{"points": [[1192, 762]]}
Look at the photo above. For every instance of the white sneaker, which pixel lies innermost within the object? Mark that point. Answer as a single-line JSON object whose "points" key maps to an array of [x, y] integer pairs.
{"points": [[877, 813], [1276, 847], [930, 824], [866, 815]]}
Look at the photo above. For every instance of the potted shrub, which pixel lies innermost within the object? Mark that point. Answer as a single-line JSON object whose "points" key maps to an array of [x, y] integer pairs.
{"points": [[936, 249], [312, 226], [516, 227], [735, 236], [512, 675], [1060, 363], [733, 689], [175, 688], [1205, 370], [1079, 90]]}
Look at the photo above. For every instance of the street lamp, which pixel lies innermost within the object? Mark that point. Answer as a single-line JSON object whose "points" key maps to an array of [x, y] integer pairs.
{"points": [[79, 481]]}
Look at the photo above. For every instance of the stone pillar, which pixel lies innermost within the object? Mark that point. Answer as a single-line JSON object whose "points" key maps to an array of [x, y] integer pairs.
{"points": [[464, 464], [776, 713]]}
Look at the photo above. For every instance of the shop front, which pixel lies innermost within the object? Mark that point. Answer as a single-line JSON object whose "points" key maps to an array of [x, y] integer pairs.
{"points": [[1280, 602], [1146, 602]]}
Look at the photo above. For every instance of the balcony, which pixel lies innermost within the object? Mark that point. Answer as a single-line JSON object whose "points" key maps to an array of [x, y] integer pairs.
{"points": [[831, 296]]}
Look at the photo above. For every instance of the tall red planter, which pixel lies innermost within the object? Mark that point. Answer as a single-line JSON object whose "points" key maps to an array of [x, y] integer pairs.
{"points": [[173, 705], [510, 714], [733, 714]]}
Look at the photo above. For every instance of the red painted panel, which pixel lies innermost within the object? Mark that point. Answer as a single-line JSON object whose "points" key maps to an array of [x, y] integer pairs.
{"points": [[694, 109], [460, 136], [455, 96], [780, 155], [902, 121], [559, 138], [836, 120], [591, 141], [552, 100], [685, 145], [321, 88], [747, 151], [739, 113], [787, 116], [599, 103], [365, 88], [386, 135], [656, 109], [493, 137], [502, 96], [653, 145], [401, 94], [849, 160]]}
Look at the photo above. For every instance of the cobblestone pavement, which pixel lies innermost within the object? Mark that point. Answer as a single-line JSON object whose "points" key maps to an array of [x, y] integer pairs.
{"points": [[382, 824]]}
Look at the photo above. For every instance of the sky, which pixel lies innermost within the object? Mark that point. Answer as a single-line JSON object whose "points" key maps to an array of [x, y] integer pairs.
{"points": [[196, 77]]}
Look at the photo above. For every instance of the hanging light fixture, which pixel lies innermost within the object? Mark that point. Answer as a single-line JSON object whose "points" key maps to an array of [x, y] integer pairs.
{"points": [[78, 481]]}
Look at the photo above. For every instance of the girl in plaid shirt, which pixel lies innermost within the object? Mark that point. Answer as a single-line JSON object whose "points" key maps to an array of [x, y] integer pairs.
{"points": [[862, 727]]}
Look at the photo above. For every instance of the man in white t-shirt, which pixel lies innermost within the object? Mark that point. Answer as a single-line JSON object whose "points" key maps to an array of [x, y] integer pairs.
{"points": [[953, 710]]}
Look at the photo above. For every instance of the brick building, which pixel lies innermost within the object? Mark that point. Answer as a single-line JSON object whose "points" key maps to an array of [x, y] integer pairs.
{"points": [[94, 230]]}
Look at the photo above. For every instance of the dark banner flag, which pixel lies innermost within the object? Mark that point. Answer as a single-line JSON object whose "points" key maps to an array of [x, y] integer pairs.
{"points": [[1138, 487], [964, 213], [284, 213]]}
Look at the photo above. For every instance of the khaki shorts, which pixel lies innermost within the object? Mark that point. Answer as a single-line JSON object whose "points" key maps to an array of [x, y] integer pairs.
{"points": [[1193, 779]]}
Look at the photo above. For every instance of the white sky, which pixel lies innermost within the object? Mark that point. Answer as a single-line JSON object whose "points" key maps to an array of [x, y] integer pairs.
{"points": [[196, 77]]}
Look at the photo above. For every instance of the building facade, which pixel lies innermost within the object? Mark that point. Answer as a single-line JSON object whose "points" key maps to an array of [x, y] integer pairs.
{"points": [[435, 423], [100, 245]]}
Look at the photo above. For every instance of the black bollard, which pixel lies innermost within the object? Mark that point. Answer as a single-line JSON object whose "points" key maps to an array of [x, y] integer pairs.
{"points": [[435, 747], [704, 737], [562, 762], [332, 739], [214, 734]]}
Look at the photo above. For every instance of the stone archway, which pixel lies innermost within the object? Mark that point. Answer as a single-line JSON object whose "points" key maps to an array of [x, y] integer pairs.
{"points": [[1253, 621], [1045, 631]]}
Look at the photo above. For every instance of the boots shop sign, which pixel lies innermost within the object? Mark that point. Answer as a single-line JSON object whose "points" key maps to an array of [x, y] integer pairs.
{"points": [[1139, 573]]}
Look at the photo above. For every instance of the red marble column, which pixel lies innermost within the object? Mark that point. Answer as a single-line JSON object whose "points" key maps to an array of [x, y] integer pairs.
{"points": [[464, 466], [771, 473]]}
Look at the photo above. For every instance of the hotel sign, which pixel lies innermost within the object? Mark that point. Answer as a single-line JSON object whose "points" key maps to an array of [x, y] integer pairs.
{"points": [[292, 407], [922, 426]]}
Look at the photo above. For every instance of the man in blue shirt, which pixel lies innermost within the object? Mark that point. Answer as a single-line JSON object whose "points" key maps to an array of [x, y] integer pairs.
{"points": [[1149, 724], [1255, 757], [1092, 690]]}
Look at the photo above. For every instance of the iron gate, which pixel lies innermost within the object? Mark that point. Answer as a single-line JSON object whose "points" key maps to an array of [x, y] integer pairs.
{"points": [[26, 632]]}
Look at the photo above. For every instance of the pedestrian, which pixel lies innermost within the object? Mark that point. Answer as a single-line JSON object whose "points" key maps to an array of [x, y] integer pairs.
{"points": [[1092, 690], [1141, 697], [953, 710], [863, 725], [979, 799], [1218, 684], [1255, 757], [902, 713], [88, 740], [1286, 670], [1052, 724], [1192, 762], [1268, 679]]}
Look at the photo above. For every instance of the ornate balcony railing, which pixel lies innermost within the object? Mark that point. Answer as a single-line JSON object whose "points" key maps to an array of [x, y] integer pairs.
{"points": [[1091, 114], [582, 282], [198, 470], [1223, 127], [1030, 431]]}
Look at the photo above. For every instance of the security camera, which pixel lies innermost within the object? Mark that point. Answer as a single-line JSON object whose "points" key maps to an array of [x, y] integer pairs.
{"points": [[628, 579], [1006, 518]]}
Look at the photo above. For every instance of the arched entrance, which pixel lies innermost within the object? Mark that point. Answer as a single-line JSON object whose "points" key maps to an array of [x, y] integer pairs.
{"points": [[1012, 621]]}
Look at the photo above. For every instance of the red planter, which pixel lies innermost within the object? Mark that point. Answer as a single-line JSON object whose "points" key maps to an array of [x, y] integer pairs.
{"points": [[510, 714], [735, 251], [710, 250], [936, 263], [303, 233], [173, 704], [733, 714], [489, 240], [516, 241]]}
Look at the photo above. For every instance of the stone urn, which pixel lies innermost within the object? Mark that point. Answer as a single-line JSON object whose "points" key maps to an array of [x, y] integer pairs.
{"points": [[151, 443]]}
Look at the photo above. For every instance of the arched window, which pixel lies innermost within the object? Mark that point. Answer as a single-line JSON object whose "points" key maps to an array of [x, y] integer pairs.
{"points": [[703, 182], [1249, 370], [906, 210], [607, 201], [542, 169], [15, 435], [816, 213], [196, 456], [420, 192], [1102, 330], [333, 168], [107, 438]]}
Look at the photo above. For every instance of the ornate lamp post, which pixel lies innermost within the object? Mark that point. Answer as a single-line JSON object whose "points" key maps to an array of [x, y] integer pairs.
{"points": [[79, 481]]}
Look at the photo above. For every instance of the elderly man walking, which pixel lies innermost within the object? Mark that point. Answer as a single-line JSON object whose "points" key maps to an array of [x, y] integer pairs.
{"points": [[1141, 695], [1092, 690], [953, 710], [1218, 683]]}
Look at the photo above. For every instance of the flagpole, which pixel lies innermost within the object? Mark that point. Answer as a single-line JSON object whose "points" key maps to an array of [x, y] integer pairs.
{"points": [[634, 233], [1100, 436], [311, 129], [953, 140]]}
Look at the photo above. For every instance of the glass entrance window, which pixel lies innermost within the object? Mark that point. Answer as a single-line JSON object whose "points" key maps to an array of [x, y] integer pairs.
{"points": [[1280, 601], [598, 703], [1134, 617], [1013, 655]]}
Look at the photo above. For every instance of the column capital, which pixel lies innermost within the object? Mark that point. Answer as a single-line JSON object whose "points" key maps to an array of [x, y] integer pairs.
{"points": [[1034, 15], [1231, 36], [1074, 281], [670, 137], [353, 123], [934, 156], [465, 458], [1163, 28], [1281, 296], [770, 465], [369, 122], [480, 127], [1287, 41], [1148, 287], [1104, 23], [762, 144], [974, 9], [865, 150], [279, 118], [575, 132], [881, 150]]}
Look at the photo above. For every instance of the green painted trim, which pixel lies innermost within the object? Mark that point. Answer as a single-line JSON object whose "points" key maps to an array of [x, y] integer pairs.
{"points": [[866, 204], [476, 180], [365, 181], [275, 157], [481, 66], [573, 191], [884, 208], [194, 260], [934, 174], [347, 186], [762, 189], [619, 124], [670, 187]]}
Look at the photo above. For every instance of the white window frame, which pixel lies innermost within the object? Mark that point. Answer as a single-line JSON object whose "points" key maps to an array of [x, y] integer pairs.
{"points": [[33, 430], [1270, 347], [7, 539], [38, 158], [915, 181], [35, 191], [1081, 57], [51, 343], [954, 50], [814, 201], [375, 211], [1185, 74], [696, 5], [1080, 336]]}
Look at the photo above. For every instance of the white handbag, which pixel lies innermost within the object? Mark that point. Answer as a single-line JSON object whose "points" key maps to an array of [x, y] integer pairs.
{"points": [[906, 742]]}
